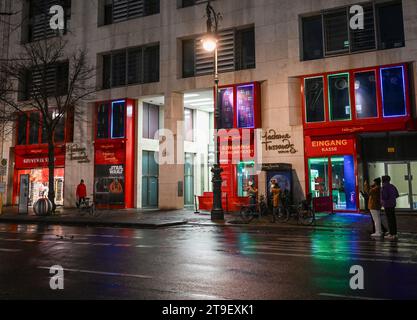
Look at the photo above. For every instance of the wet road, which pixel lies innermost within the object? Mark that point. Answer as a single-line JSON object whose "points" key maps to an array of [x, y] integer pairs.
{"points": [[200, 262]]}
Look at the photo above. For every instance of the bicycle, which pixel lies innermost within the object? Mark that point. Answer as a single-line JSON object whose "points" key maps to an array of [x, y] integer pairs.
{"points": [[87, 206], [250, 212], [303, 212]]}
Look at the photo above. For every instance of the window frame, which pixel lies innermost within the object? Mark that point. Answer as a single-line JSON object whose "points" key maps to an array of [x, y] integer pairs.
{"points": [[110, 120], [329, 96], [326, 116], [377, 92]]}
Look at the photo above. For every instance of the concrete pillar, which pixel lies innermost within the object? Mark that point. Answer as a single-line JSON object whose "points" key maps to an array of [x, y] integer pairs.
{"points": [[171, 175]]}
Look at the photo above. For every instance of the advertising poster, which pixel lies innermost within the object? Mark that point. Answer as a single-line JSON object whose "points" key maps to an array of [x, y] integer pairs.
{"points": [[245, 107], [226, 108], [109, 185]]}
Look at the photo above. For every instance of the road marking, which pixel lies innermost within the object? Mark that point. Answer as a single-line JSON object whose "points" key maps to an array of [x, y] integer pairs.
{"points": [[112, 274], [348, 297], [206, 296], [326, 257], [9, 250]]}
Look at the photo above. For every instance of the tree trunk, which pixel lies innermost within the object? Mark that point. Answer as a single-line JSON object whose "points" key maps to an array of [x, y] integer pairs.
{"points": [[51, 166]]}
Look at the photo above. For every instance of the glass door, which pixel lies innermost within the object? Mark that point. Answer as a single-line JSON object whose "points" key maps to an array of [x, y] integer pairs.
{"points": [[343, 183], [400, 177], [150, 180], [319, 177], [189, 179], [413, 178]]}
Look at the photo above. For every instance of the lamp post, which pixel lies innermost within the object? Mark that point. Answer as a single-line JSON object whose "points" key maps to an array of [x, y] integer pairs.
{"points": [[210, 44]]}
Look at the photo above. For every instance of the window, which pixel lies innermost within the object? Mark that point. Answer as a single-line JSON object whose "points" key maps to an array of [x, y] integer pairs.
{"points": [[189, 3], [226, 108], [34, 125], [246, 107], [339, 97], [245, 49], [51, 80], [111, 119], [150, 120], [30, 130], [314, 99], [336, 32], [133, 66], [38, 17], [118, 120], [114, 11], [103, 121], [21, 129], [312, 38], [366, 95], [236, 51], [383, 29], [189, 124], [188, 58], [391, 26], [393, 91]]}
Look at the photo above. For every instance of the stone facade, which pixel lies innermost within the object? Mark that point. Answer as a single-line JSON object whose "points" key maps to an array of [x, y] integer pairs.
{"points": [[278, 68]]}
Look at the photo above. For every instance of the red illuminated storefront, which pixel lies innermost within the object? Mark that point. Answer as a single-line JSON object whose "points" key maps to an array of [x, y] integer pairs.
{"points": [[240, 110], [114, 156], [31, 157], [341, 111]]}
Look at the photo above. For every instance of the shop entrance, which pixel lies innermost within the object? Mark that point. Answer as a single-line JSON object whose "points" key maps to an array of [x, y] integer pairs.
{"points": [[403, 176], [333, 179]]}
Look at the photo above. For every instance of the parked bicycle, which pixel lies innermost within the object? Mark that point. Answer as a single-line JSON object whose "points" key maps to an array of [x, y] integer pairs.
{"points": [[250, 212], [303, 213], [88, 207]]}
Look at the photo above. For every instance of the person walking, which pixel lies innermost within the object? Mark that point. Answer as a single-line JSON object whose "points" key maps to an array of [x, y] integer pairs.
{"points": [[389, 196], [276, 192], [81, 193], [374, 205]]}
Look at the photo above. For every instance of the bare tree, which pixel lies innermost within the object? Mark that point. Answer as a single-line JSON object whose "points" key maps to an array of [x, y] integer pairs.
{"points": [[45, 79]]}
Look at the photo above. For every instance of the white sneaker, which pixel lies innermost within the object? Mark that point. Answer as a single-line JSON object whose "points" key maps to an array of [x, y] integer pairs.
{"points": [[376, 235], [391, 238]]}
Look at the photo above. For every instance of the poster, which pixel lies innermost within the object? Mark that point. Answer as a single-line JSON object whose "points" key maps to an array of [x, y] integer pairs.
{"points": [[245, 107], [109, 185], [226, 108]]}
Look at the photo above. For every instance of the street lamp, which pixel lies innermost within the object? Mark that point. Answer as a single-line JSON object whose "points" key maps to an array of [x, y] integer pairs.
{"points": [[210, 44]]}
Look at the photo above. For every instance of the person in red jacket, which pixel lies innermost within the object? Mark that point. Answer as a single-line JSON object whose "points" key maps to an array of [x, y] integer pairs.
{"points": [[81, 193]]}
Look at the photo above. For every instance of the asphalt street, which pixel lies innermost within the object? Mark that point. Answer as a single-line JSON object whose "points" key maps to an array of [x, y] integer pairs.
{"points": [[194, 262]]}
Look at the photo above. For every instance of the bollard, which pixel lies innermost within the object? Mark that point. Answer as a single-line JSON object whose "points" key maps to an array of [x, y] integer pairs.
{"points": [[195, 205]]}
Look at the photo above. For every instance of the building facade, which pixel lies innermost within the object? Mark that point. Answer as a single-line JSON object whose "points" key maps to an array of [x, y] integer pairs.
{"points": [[336, 104]]}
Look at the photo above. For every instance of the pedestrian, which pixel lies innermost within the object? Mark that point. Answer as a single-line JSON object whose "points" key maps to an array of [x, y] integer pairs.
{"points": [[81, 193], [252, 193], [276, 193], [374, 204], [389, 196], [365, 195]]}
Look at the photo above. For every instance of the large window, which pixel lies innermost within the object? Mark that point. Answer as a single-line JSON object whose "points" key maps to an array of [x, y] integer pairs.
{"points": [[132, 66], [339, 97], [50, 81], [383, 29], [36, 22], [366, 95], [113, 11], [31, 131], [393, 91], [189, 3], [111, 120], [236, 52], [314, 99], [150, 120]]}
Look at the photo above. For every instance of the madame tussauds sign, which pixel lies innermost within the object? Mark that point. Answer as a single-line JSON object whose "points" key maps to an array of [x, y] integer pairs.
{"points": [[281, 143]]}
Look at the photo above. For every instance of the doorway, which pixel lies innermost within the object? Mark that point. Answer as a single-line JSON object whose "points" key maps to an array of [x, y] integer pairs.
{"points": [[189, 180], [403, 176], [150, 180]]}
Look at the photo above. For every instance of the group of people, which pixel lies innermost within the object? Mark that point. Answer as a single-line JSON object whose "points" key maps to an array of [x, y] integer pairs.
{"points": [[383, 194]]}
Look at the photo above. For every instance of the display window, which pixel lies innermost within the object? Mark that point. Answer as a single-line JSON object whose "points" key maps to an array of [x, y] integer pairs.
{"points": [[246, 175], [246, 107], [39, 184], [366, 95], [359, 100], [109, 185], [393, 92], [339, 97], [314, 99], [226, 105], [111, 120]]}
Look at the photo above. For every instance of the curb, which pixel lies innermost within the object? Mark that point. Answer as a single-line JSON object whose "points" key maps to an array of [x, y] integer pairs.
{"points": [[85, 223]]}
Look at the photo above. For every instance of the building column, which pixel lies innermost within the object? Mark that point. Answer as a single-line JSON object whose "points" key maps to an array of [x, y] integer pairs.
{"points": [[171, 169]]}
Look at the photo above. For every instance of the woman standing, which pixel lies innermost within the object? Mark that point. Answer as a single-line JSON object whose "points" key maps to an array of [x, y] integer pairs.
{"points": [[375, 206]]}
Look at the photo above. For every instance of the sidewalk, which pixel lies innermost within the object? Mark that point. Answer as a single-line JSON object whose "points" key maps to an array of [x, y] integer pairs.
{"points": [[134, 218]]}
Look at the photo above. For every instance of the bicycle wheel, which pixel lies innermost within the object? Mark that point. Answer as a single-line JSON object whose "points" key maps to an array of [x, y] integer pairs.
{"points": [[246, 214], [306, 217]]}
